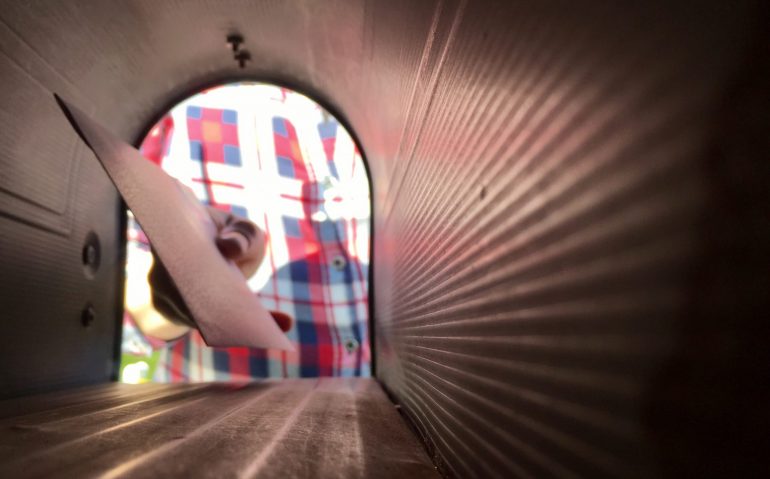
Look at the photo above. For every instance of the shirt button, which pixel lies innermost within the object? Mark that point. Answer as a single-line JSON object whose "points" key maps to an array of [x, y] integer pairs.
{"points": [[319, 216], [351, 345], [339, 262]]}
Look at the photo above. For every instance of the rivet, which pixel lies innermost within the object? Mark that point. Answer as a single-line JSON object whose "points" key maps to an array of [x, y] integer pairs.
{"points": [[88, 316], [91, 255]]}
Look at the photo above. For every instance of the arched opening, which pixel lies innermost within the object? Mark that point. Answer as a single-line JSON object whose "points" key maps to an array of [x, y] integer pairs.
{"points": [[279, 159]]}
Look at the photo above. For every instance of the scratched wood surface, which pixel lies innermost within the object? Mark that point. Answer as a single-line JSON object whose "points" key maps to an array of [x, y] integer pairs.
{"points": [[329, 427]]}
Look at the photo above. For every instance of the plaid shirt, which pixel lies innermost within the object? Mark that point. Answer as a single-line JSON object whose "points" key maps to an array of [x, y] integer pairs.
{"points": [[275, 157]]}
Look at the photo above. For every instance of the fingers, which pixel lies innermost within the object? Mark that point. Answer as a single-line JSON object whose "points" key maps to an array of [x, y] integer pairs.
{"points": [[166, 297], [239, 240], [251, 244]]}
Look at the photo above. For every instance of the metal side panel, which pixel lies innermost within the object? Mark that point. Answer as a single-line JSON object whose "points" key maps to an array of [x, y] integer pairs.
{"points": [[59, 310], [568, 265]]}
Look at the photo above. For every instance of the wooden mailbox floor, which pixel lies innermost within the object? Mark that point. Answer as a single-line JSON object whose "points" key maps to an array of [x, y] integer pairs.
{"points": [[329, 427]]}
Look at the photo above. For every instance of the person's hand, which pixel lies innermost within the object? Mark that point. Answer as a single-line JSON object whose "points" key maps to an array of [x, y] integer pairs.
{"points": [[239, 241]]}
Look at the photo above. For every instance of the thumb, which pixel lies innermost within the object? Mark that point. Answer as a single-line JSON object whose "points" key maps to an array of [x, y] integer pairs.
{"points": [[232, 244]]}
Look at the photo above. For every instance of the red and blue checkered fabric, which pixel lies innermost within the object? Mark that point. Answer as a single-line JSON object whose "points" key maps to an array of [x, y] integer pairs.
{"points": [[275, 157]]}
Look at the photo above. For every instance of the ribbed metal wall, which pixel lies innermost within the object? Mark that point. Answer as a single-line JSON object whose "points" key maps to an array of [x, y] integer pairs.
{"points": [[541, 250]]}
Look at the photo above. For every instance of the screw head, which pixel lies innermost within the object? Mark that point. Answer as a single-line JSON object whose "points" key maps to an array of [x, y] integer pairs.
{"points": [[242, 56], [234, 40]]}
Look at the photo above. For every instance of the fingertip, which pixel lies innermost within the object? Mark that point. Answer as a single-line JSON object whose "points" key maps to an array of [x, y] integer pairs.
{"points": [[232, 244], [283, 320]]}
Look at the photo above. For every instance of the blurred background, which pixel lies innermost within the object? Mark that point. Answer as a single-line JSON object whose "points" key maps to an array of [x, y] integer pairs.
{"points": [[278, 158]]}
